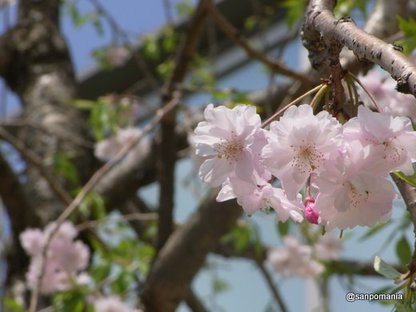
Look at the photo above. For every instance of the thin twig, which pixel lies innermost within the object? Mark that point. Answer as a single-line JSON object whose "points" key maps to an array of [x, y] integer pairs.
{"points": [[38, 164], [239, 40], [36, 126], [373, 100], [275, 292], [282, 110], [88, 187], [127, 217], [141, 63]]}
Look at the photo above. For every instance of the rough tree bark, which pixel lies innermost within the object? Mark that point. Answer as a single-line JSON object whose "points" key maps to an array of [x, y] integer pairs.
{"points": [[37, 67]]}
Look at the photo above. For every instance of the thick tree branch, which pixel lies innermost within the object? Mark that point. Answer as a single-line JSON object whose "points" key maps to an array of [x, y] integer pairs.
{"points": [[322, 32], [167, 146], [338, 267], [408, 193], [184, 253], [194, 303]]}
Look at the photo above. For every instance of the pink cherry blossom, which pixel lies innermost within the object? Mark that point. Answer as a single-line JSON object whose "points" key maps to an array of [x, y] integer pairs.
{"points": [[300, 143], [294, 259], [117, 56], [4, 3], [349, 195], [259, 197], [65, 258], [108, 148], [391, 139], [110, 304], [225, 139], [32, 241], [388, 99]]}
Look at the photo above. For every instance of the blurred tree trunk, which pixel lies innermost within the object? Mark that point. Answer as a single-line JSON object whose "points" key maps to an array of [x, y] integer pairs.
{"points": [[37, 67]]}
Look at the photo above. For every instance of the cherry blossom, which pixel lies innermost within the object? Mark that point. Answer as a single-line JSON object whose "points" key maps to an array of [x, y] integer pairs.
{"points": [[225, 139], [392, 138], [117, 56], [343, 169], [300, 143], [350, 196], [108, 148], [3, 3], [259, 197], [388, 99], [294, 259], [110, 304], [65, 261]]}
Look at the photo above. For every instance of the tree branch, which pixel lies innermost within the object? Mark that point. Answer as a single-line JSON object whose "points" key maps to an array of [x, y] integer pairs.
{"points": [[21, 214], [275, 292], [408, 193], [184, 253], [194, 303], [239, 40], [322, 32], [167, 146]]}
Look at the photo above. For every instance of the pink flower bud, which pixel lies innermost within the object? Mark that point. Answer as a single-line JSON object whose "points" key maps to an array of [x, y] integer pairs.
{"points": [[311, 214]]}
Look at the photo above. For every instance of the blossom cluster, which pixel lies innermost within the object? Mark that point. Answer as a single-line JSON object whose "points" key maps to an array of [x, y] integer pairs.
{"points": [[388, 99], [4, 3], [330, 173], [111, 304], [65, 260], [108, 148], [295, 259]]}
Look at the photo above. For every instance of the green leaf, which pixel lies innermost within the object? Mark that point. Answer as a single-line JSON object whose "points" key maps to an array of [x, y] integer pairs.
{"points": [[403, 307], [295, 10], [184, 8], [151, 47], [408, 28], [346, 7], [70, 301], [219, 285], [408, 179], [385, 269], [84, 104], [12, 305], [64, 166], [283, 228], [403, 251]]}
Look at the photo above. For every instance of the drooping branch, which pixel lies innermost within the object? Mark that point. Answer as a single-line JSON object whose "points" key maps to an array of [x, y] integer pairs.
{"points": [[322, 32]]}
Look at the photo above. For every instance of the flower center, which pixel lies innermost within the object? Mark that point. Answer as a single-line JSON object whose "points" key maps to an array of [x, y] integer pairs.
{"points": [[307, 158], [230, 149], [357, 197], [392, 152]]}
